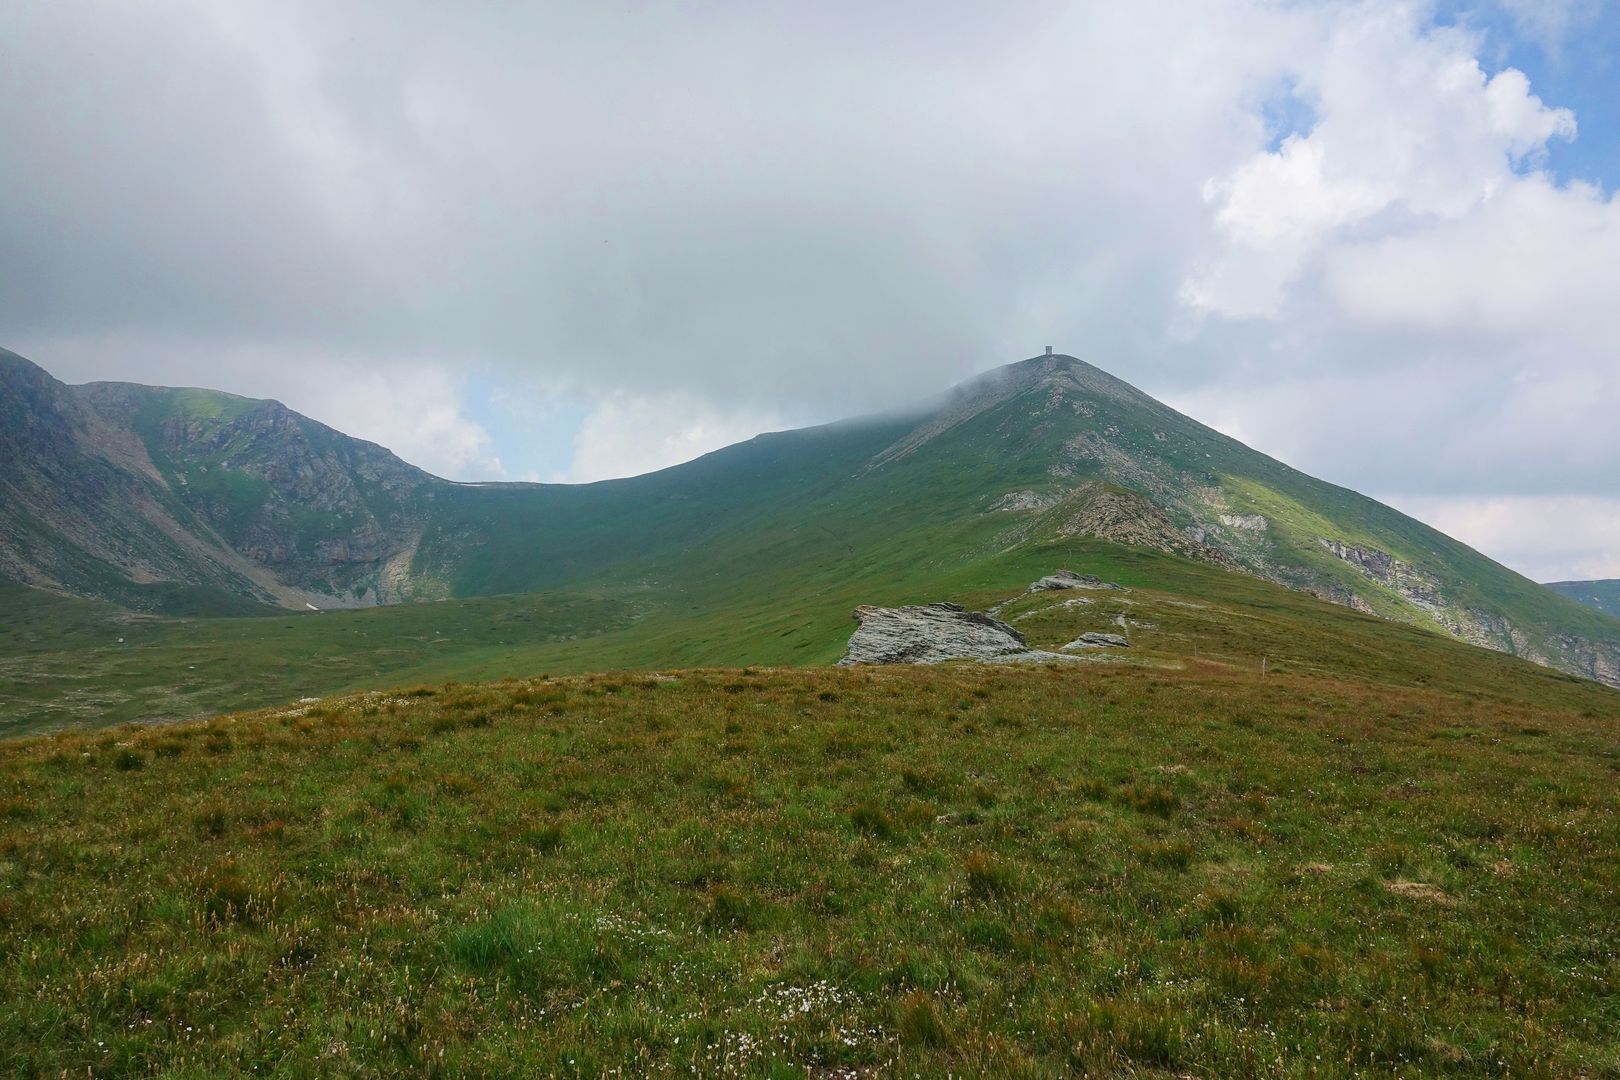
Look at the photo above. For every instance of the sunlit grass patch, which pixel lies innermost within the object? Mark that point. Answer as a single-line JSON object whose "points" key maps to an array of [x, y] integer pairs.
{"points": [[987, 875], [544, 839], [539, 945], [231, 892], [1148, 799], [1170, 854], [730, 908], [1121, 1033]]}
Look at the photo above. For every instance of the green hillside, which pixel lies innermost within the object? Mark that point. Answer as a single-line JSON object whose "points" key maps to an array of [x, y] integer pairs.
{"points": [[608, 809], [789, 513], [64, 665], [752, 554], [1602, 595]]}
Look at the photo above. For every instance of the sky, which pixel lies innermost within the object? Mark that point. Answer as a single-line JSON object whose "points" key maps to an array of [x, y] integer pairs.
{"points": [[567, 241]]}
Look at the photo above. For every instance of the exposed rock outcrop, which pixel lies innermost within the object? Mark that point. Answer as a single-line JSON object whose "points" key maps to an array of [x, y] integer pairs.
{"points": [[1124, 517], [1594, 659], [1412, 584], [1068, 579], [1093, 639], [934, 633], [1026, 500], [1490, 630], [929, 634]]}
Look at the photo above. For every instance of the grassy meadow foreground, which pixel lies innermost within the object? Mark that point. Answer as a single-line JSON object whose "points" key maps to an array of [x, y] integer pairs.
{"points": [[963, 870]]}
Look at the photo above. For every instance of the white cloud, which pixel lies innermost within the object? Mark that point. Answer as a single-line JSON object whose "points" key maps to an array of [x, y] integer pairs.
{"points": [[415, 411], [1409, 131], [759, 205], [1422, 309], [627, 435], [1550, 22], [1534, 260], [802, 211], [1546, 538], [413, 407]]}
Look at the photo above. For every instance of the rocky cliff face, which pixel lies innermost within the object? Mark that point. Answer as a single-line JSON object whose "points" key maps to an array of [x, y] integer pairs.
{"points": [[156, 498], [1124, 517], [83, 510], [1476, 625], [1411, 584], [321, 511]]}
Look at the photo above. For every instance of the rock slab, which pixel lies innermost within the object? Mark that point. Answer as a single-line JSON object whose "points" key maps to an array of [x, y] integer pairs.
{"points": [[930, 634], [1068, 579], [1093, 639]]}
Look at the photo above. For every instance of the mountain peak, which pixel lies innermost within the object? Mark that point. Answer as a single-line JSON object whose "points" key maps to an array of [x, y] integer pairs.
{"points": [[1063, 370], [17, 371], [1052, 377], [139, 495]]}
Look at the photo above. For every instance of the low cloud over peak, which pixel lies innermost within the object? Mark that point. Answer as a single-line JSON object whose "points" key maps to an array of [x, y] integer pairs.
{"points": [[1339, 228]]}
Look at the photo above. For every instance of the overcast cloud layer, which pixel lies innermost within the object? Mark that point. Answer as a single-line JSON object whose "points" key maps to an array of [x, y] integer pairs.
{"points": [[559, 241]]}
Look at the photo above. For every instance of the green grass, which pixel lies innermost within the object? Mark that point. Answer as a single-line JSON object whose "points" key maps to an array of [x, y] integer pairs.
{"points": [[1602, 595], [68, 663], [1114, 870], [62, 666], [792, 517], [775, 537], [1271, 837]]}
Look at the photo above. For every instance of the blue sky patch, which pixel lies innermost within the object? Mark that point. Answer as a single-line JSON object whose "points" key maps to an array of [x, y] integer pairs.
{"points": [[1579, 71], [1286, 112]]}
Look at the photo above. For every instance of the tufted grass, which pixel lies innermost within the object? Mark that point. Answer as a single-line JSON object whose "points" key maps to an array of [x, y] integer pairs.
{"points": [[1103, 870]]}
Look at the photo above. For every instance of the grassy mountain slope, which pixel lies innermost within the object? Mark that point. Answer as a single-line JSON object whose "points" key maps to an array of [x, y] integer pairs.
{"points": [[79, 512], [1602, 595], [194, 501], [792, 528], [64, 665], [1050, 440], [1276, 835]]}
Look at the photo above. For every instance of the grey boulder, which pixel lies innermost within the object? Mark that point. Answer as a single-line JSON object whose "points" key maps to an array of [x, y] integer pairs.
{"points": [[1068, 579], [1093, 639], [930, 634]]}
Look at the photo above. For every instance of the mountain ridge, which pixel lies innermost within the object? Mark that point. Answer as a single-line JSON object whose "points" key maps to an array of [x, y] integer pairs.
{"points": [[278, 509], [1602, 595]]}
